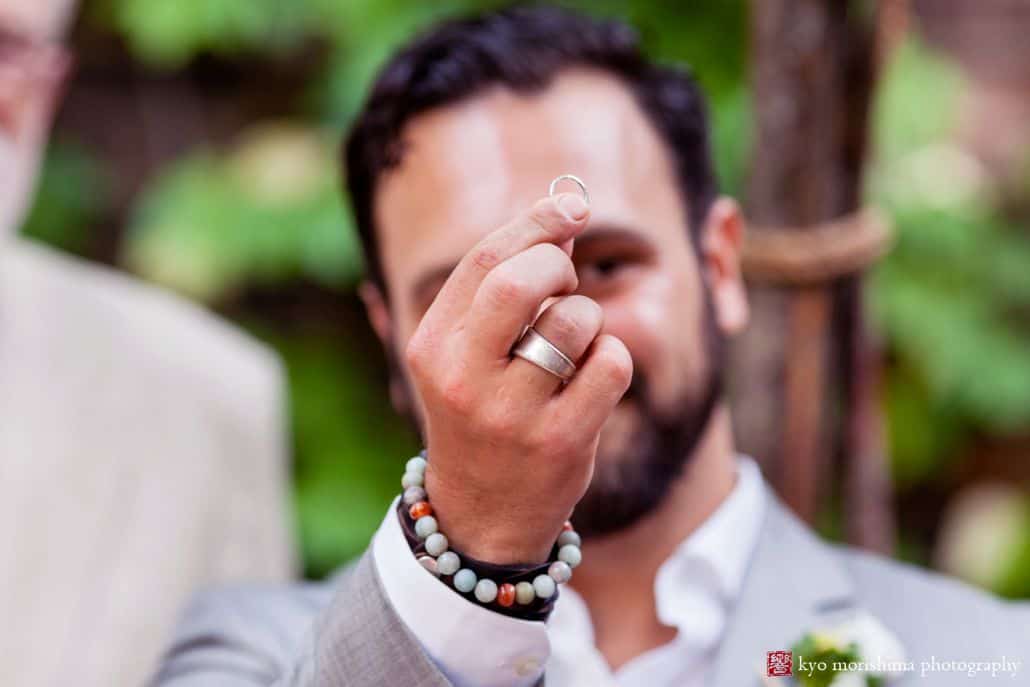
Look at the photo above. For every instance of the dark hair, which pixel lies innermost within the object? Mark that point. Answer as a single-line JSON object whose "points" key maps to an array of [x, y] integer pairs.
{"points": [[522, 48]]}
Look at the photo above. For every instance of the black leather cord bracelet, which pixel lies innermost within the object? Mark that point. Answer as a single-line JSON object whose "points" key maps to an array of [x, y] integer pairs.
{"points": [[537, 609]]}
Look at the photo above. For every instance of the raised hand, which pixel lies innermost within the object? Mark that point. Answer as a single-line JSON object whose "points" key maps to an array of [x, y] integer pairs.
{"points": [[511, 448]]}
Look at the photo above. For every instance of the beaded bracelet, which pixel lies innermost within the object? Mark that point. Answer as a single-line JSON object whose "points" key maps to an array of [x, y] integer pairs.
{"points": [[503, 588]]}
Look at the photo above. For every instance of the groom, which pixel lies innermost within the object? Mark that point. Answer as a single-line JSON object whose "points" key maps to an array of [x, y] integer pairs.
{"points": [[692, 570]]}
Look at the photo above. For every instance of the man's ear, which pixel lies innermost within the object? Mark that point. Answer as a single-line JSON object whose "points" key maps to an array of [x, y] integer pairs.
{"points": [[720, 247], [378, 312]]}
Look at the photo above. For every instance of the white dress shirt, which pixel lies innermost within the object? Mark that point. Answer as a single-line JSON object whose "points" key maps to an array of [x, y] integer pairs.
{"points": [[695, 589]]}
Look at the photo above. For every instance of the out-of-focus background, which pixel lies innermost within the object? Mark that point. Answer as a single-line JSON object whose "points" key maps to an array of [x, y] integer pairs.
{"points": [[197, 148]]}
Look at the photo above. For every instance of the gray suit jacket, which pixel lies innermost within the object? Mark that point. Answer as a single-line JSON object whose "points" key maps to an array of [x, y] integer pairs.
{"points": [[142, 458], [346, 633]]}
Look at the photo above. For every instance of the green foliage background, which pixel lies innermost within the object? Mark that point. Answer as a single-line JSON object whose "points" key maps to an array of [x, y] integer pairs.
{"points": [[262, 214]]}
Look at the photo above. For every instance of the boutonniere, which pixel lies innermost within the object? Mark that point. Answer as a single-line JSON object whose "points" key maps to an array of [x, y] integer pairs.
{"points": [[860, 652]]}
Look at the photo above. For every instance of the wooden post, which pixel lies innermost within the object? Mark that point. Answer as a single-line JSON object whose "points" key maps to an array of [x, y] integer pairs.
{"points": [[812, 69]]}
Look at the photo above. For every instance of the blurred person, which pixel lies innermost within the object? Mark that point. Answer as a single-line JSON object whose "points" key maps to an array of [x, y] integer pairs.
{"points": [[688, 569], [141, 442]]}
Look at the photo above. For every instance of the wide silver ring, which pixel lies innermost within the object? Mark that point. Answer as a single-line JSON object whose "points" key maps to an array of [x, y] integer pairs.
{"points": [[535, 348], [574, 179]]}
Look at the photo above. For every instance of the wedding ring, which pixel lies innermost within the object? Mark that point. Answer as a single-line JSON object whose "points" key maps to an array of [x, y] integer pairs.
{"points": [[535, 348], [574, 179]]}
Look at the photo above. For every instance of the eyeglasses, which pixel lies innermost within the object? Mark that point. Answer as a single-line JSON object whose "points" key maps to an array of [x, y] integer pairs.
{"points": [[30, 70]]}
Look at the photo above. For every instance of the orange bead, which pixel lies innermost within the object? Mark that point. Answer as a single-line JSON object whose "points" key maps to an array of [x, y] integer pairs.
{"points": [[419, 509], [506, 594]]}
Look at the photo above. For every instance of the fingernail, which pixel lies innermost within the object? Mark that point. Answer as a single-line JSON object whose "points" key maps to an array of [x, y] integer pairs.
{"points": [[572, 206]]}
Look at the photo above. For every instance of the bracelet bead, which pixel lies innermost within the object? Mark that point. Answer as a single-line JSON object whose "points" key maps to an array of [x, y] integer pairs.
{"points": [[506, 594], [413, 495], [486, 591], [524, 593], [465, 580], [412, 479], [560, 572], [570, 554], [429, 563], [425, 526], [543, 586], [420, 509], [568, 537], [448, 563], [436, 544]]}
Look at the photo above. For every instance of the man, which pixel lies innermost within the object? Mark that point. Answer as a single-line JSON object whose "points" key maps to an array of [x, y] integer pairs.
{"points": [[141, 447], [691, 569]]}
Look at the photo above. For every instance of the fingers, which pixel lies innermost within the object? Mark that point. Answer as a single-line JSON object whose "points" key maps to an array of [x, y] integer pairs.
{"points": [[510, 296], [600, 381], [554, 220], [570, 324]]}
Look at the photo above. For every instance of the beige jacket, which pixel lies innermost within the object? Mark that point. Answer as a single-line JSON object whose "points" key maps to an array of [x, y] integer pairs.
{"points": [[141, 459]]}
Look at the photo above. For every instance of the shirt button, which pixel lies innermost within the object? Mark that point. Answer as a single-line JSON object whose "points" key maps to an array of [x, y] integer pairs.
{"points": [[526, 666]]}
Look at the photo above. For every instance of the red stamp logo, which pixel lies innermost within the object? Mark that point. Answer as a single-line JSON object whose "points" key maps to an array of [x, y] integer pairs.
{"points": [[779, 663]]}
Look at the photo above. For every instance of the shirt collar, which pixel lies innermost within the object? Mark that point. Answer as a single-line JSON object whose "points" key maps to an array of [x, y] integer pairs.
{"points": [[725, 540], [705, 573]]}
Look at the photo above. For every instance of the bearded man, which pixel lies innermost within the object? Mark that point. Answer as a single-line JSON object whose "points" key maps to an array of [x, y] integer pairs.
{"points": [[611, 408]]}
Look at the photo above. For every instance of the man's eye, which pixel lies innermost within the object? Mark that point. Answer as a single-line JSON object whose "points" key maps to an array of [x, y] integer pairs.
{"points": [[601, 268]]}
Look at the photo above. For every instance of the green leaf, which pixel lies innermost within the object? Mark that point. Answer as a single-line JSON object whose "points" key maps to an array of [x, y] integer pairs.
{"points": [[71, 194], [169, 34], [822, 662], [349, 446], [267, 212]]}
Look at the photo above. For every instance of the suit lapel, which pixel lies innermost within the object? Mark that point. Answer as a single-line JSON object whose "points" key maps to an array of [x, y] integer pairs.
{"points": [[794, 584]]}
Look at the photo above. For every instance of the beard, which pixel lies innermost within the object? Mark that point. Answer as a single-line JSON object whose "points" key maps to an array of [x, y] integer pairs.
{"points": [[634, 478]]}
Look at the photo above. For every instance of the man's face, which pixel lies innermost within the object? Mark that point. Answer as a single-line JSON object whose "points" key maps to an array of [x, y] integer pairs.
{"points": [[469, 168]]}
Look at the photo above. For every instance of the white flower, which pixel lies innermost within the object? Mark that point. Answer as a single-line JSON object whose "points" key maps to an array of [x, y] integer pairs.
{"points": [[880, 653], [879, 650]]}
